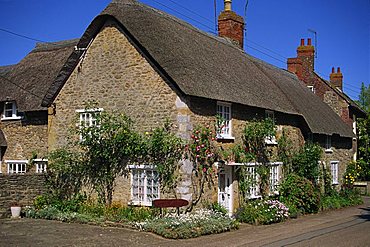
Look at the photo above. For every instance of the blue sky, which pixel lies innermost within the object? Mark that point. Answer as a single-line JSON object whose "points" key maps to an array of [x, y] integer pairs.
{"points": [[274, 28]]}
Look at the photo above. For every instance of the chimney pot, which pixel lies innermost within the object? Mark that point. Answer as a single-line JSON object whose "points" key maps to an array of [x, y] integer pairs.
{"points": [[227, 5], [309, 41], [338, 70], [302, 42], [231, 25], [332, 70]]}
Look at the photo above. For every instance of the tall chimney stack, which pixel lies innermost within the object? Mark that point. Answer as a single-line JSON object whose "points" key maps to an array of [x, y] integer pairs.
{"points": [[336, 79], [303, 64], [231, 25]]}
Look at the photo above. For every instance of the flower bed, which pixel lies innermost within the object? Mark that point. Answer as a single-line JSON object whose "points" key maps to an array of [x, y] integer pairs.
{"points": [[261, 212], [200, 222]]}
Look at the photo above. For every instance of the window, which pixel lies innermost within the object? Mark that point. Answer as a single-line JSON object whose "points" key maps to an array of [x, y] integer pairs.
{"points": [[334, 167], [10, 111], [252, 175], [274, 177], [328, 144], [311, 88], [16, 166], [144, 185], [88, 117], [270, 139], [224, 128], [41, 165]]}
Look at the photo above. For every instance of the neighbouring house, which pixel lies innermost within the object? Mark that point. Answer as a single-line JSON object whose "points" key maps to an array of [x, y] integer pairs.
{"points": [[331, 92], [24, 122], [153, 66]]}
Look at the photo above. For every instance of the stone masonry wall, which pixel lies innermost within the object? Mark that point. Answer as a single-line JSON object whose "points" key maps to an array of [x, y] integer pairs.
{"points": [[23, 139], [22, 189]]}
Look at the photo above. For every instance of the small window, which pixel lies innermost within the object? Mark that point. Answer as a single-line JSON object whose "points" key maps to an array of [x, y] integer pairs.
{"points": [[88, 117], [41, 165], [10, 111], [274, 178], [16, 166], [270, 140], [224, 111], [144, 185], [334, 171], [311, 88], [328, 144]]}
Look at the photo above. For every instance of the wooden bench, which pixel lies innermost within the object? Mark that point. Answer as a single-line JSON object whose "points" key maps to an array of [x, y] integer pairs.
{"points": [[170, 203]]}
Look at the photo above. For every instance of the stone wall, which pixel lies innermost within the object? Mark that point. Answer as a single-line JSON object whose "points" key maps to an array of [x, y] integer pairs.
{"points": [[22, 189], [25, 137]]}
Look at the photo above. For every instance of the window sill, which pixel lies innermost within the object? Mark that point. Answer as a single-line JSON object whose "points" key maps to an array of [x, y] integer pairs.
{"points": [[11, 118], [271, 140], [145, 204], [329, 151], [225, 138], [268, 142]]}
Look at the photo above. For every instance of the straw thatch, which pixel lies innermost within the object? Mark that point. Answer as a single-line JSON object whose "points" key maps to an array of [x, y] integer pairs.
{"points": [[28, 81], [202, 65]]}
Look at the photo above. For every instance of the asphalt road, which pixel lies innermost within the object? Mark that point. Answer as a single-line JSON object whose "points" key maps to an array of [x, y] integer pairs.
{"points": [[344, 227]]}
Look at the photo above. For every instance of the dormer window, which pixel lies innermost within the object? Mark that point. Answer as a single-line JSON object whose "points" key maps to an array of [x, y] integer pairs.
{"points": [[10, 111], [328, 145]]}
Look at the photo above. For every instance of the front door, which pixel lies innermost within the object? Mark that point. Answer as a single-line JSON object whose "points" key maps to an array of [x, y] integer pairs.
{"points": [[225, 188]]}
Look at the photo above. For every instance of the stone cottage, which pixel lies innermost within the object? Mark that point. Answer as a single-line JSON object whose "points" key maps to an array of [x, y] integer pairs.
{"points": [[153, 66], [23, 122]]}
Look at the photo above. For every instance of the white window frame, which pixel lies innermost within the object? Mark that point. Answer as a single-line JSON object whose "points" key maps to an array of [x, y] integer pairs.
{"points": [[16, 166], [328, 148], [334, 169], [144, 170], [270, 140], [83, 122], [41, 165], [311, 88], [274, 180], [275, 177], [14, 115], [226, 131]]}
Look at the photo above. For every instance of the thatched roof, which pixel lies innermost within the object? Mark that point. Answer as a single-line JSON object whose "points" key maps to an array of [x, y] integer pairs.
{"points": [[4, 70], [202, 65], [29, 80]]}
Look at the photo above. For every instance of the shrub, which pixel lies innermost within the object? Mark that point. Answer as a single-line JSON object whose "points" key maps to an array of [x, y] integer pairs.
{"points": [[194, 224], [300, 192], [263, 212], [345, 198], [305, 161]]}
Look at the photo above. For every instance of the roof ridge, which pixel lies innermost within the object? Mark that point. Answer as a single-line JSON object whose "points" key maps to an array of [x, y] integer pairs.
{"points": [[49, 46], [211, 35]]}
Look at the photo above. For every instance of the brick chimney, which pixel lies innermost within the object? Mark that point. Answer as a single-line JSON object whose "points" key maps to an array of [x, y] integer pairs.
{"points": [[336, 79], [303, 64], [231, 25]]}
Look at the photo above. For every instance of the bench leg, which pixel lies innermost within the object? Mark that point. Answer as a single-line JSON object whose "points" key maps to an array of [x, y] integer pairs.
{"points": [[178, 211]]}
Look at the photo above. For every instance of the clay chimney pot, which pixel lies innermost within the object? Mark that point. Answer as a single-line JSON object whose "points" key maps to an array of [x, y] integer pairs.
{"points": [[332, 70], [338, 70], [309, 41], [302, 42]]}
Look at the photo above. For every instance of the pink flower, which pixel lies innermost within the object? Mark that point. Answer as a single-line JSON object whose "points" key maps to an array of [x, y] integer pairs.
{"points": [[204, 169]]}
